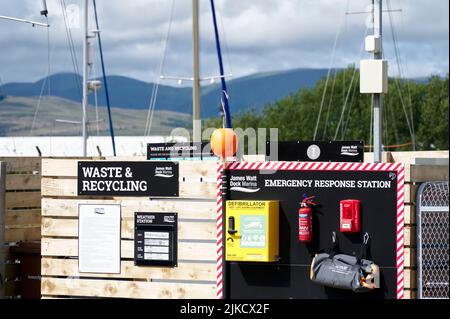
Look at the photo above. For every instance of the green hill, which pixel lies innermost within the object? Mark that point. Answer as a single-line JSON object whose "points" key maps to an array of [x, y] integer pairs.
{"points": [[17, 114]]}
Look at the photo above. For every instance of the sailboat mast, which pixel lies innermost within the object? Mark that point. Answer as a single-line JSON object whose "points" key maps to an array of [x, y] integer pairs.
{"points": [[378, 97], [85, 74], [196, 124], [224, 100]]}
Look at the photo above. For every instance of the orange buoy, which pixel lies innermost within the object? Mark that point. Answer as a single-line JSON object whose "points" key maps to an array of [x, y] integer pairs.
{"points": [[224, 143]]}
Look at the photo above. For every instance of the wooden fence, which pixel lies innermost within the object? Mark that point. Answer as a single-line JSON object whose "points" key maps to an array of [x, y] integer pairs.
{"points": [[196, 272], [195, 275], [20, 215]]}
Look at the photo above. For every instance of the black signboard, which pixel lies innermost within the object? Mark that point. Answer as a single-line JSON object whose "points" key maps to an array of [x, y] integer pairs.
{"points": [[333, 151], [155, 239], [289, 277], [128, 179], [169, 151]]}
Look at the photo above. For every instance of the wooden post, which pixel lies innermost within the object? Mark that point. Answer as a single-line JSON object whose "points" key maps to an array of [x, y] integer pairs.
{"points": [[2, 228]]}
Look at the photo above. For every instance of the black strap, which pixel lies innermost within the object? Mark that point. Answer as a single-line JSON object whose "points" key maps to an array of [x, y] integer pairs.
{"points": [[334, 244], [364, 247]]}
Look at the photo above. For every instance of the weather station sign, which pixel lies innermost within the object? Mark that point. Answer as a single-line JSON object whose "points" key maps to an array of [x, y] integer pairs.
{"points": [[128, 179], [156, 239]]}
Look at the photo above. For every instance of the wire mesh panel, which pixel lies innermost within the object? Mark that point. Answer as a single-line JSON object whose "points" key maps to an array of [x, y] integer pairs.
{"points": [[432, 240]]}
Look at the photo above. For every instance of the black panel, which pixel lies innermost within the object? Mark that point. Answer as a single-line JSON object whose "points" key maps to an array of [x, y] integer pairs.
{"points": [[260, 281], [332, 151], [103, 178], [156, 239], [379, 213], [171, 151]]}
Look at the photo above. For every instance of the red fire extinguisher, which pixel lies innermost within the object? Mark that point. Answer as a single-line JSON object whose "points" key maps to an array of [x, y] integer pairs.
{"points": [[305, 224]]}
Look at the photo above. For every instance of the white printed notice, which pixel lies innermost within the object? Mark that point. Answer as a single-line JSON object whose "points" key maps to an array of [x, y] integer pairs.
{"points": [[99, 239]]}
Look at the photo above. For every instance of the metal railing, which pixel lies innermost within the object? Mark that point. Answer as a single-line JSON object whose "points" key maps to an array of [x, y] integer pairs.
{"points": [[433, 241]]}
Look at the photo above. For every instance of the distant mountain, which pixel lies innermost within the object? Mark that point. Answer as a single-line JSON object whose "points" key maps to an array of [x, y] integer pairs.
{"points": [[250, 92], [17, 115]]}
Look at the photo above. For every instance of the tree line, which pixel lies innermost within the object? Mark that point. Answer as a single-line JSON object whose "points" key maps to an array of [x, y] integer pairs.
{"points": [[416, 113]]}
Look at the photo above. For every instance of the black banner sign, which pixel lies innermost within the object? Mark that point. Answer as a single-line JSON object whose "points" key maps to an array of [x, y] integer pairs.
{"points": [[333, 151], [168, 151], [128, 179], [155, 239], [289, 278]]}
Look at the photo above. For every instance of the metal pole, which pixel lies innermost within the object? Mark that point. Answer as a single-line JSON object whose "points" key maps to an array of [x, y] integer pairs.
{"points": [[105, 81], [33, 23], [85, 76], [378, 98], [196, 127]]}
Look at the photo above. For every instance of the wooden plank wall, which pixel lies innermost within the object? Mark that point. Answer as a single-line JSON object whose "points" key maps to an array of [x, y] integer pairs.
{"points": [[3, 251], [196, 272], [20, 215], [195, 276], [23, 199]]}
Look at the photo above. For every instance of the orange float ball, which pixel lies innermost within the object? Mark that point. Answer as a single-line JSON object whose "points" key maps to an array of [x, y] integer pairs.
{"points": [[224, 143]]}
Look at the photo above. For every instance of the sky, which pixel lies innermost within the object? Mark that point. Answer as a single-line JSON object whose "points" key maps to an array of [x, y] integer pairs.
{"points": [[256, 35]]}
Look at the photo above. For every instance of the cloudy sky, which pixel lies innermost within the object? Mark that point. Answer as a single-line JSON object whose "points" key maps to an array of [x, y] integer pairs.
{"points": [[258, 35]]}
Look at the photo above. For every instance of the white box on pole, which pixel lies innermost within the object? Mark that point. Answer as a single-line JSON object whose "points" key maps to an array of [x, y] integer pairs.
{"points": [[374, 77], [373, 43]]}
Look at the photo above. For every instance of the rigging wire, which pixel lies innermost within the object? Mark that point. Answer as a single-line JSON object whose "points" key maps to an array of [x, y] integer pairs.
{"points": [[386, 127], [347, 96], [97, 120], [333, 56], [93, 73], [44, 83], [329, 104], [155, 89], [344, 28], [71, 46], [345, 126], [49, 66], [105, 81], [391, 146], [371, 124], [344, 80], [225, 41], [409, 121], [408, 87], [225, 97], [389, 108]]}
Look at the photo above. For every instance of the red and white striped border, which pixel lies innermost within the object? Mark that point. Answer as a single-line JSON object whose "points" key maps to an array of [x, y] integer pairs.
{"points": [[219, 247], [312, 166]]}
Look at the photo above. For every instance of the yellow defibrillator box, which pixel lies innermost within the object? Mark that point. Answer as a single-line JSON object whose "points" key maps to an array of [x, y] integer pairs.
{"points": [[252, 231]]}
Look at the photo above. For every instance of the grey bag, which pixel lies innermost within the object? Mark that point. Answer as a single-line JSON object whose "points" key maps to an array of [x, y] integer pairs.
{"points": [[344, 271]]}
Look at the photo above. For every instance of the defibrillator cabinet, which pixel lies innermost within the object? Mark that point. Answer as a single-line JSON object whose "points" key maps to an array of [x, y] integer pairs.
{"points": [[252, 231]]}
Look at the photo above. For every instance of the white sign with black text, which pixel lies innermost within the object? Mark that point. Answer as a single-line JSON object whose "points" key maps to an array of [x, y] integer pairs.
{"points": [[99, 239]]}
